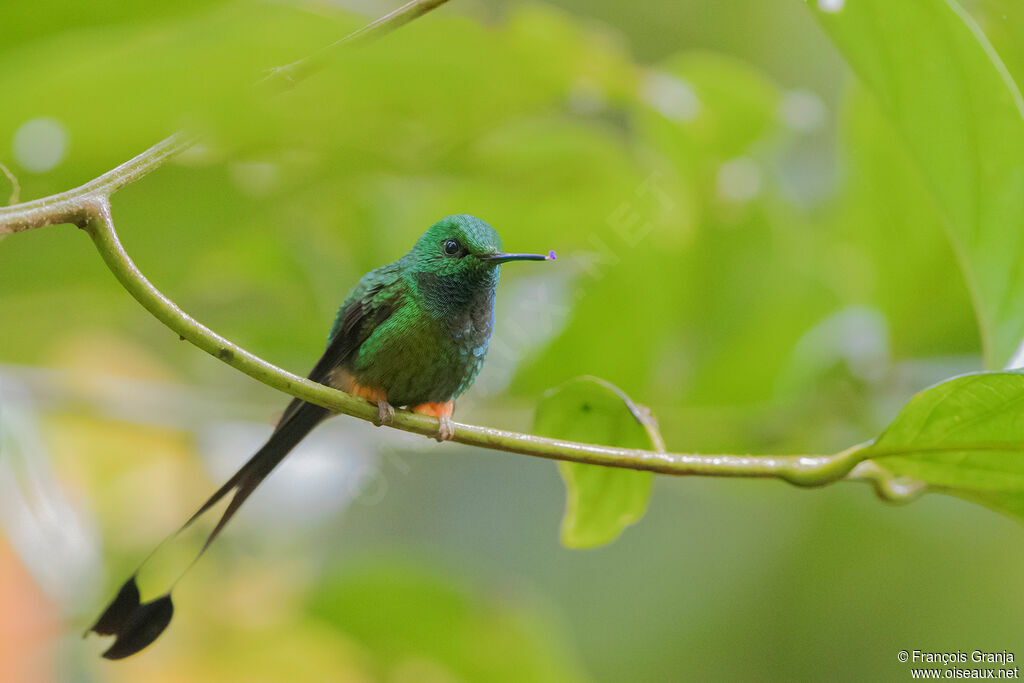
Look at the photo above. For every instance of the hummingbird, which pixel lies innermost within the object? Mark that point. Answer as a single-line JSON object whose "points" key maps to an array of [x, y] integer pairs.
{"points": [[412, 333]]}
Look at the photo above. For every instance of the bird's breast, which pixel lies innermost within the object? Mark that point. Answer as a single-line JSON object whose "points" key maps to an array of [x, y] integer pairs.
{"points": [[418, 358]]}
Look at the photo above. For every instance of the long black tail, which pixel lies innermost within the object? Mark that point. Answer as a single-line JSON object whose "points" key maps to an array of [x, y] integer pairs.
{"points": [[137, 624]]}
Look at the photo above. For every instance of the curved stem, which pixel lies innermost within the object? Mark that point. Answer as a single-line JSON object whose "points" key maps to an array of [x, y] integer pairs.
{"points": [[88, 207], [795, 469], [888, 487]]}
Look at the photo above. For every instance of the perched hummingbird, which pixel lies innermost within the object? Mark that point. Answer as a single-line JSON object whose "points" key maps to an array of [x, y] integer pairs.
{"points": [[412, 333]]}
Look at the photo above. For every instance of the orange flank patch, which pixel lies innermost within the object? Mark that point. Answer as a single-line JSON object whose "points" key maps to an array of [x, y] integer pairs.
{"points": [[438, 410], [347, 383], [367, 393]]}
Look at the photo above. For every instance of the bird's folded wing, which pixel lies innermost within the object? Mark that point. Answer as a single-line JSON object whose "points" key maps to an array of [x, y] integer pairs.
{"points": [[370, 303]]}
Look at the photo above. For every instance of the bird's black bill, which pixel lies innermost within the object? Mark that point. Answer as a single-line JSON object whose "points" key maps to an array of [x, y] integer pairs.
{"points": [[501, 257]]}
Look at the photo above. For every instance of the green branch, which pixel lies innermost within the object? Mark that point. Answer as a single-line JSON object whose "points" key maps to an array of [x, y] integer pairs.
{"points": [[88, 207], [795, 469]]}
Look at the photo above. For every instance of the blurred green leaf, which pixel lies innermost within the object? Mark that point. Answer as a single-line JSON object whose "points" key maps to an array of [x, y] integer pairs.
{"points": [[1003, 23], [25, 22], [138, 82], [703, 276], [706, 105], [706, 301], [419, 624], [964, 437], [894, 239], [962, 117], [600, 501]]}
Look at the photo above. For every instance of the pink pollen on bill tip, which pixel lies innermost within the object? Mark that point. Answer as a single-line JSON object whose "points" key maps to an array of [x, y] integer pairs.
{"points": [[551, 255]]}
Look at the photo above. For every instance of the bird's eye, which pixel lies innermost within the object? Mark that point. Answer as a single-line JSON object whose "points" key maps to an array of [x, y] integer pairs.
{"points": [[451, 247]]}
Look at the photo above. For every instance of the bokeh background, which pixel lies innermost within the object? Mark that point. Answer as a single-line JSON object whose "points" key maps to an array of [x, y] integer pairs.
{"points": [[744, 246]]}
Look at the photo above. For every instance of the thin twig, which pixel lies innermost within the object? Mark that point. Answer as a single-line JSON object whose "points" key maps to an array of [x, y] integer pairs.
{"points": [[290, 73], [15, 185]]}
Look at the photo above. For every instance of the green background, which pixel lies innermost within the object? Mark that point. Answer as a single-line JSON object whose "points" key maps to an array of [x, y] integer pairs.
{"points": [[751, 242]]}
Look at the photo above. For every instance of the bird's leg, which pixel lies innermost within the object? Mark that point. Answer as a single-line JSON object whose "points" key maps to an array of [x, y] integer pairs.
{"points": [[443, 412], [446, 429], [385, 413], [348, 384]]}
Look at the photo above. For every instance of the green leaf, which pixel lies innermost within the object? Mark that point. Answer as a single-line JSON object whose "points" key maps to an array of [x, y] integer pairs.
{"points": [[884, 193], [962, 117], [964, 437], [600, 501]]}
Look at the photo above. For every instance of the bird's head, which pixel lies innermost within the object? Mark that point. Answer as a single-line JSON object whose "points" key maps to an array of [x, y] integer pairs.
{"points": [[464, 250]]}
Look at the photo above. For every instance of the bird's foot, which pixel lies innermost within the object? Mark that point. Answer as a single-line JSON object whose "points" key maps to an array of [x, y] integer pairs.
{"points": [[443, 412], [385, 413], [445, 430]]}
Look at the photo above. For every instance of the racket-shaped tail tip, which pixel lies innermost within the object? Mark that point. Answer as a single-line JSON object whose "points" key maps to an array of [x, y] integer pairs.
{"points": [[134, 624]]}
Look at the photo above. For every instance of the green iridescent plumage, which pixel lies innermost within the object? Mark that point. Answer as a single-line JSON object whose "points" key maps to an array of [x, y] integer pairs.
{"points": [[427, 317], [411, 333]]}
